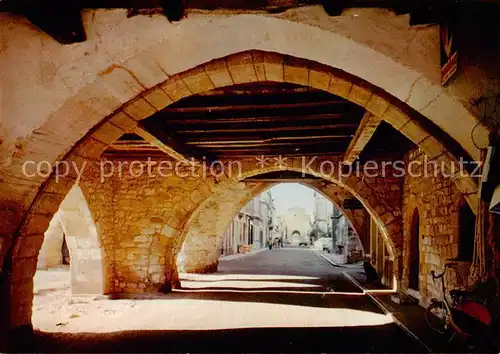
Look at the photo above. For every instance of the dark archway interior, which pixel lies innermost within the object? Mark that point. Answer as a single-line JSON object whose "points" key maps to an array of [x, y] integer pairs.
{"points": [[414, 251]]}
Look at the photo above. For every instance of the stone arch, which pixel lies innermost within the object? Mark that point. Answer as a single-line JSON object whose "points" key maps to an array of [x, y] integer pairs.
{"points": [[199, 251], [147, 90], [136, 86], [230, 185], [243, 67], [200, 237], [50, 252], [84, 244]]}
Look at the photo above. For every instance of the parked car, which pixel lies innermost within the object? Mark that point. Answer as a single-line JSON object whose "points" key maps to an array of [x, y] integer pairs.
{"points": [[303, 243]]}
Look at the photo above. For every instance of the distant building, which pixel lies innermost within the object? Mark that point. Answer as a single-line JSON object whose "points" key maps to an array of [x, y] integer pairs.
{"points": [[251, 227], [346, 237], [297, 223], [321, 223]]}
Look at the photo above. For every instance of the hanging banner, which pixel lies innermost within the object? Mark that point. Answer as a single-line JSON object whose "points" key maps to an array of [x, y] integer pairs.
{"points": [[448, 47]]}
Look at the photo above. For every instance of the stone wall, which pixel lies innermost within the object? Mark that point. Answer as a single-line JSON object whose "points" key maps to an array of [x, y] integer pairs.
{"points": [[435, 197], [140, 220]]}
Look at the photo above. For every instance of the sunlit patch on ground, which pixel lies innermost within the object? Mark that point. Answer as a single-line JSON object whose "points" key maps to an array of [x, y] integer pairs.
{"points": [[54, 309], [246, 281], [182, 314]]}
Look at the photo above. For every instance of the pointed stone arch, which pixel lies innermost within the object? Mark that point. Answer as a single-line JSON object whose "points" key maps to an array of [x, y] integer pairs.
{"points": [[105, 104]]}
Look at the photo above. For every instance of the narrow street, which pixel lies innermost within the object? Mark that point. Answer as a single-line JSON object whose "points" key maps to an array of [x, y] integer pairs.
{"points": [[278, 300]]}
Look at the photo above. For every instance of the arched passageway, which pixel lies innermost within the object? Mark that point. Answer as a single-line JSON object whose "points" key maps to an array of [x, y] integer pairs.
{"points": [[201, 248], [415, 252], [72, 239], [100, 108]]}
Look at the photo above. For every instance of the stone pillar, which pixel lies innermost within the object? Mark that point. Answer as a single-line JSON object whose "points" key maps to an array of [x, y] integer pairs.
{"points": [[50, 254], [83, 244], [201, 250]]}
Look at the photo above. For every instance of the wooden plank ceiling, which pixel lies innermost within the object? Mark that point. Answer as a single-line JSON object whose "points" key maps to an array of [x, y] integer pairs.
{"points": [[251, 120]]}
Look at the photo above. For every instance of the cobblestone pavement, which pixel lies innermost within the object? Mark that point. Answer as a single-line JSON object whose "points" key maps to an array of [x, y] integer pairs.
{"points": [[281, 300]]}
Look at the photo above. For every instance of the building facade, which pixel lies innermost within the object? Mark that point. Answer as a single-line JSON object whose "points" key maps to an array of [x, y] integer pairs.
{"points": [[297, 223], [252, 227], [322, 215]]}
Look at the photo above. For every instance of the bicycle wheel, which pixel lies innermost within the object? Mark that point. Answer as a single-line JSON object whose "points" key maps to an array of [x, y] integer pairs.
{"points": [[435, 315]]}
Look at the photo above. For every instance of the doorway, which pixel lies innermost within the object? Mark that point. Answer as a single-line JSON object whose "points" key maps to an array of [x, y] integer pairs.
{"points": [[414, 251]]}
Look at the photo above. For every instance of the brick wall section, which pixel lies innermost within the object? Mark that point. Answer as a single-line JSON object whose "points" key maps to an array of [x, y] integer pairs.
{"points": [[436, 200]]}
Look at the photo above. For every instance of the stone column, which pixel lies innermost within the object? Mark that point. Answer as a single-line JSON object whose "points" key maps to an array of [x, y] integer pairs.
{"points": [[50, 254], [83, 243]]}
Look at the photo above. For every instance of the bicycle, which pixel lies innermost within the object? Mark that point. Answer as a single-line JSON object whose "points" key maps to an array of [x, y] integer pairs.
{"points": [[464, 315]]}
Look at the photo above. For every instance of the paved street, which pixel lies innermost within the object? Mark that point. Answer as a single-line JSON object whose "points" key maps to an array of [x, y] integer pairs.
{"points": [[272, 301]]}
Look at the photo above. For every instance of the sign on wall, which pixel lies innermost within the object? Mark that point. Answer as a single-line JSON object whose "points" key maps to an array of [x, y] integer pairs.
{"points": [[447, 36]]}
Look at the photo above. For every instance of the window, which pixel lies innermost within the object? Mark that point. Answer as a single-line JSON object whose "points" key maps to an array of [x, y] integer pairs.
{"points": [[466, 231]]}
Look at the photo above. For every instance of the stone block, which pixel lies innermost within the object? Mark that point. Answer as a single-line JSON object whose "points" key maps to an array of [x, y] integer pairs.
{"points": [[377, 105], [258, 62], [339, 86], [139, 109], [395, 117], [241, 68], [359, 95], [197, 80], [218, 72], [157, 98], [431, 147], [273, 65], [47, 203], [35, 224], [120, 82], [91, 149], [175, 88], [108, 133], [123, 121], [27, 246], [296, 71], [23, 268], [319, 77], [145, 69], [414, 131]]}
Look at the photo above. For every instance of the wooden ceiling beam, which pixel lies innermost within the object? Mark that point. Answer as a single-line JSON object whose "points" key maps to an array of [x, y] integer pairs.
{"points": [[217, 121], [163, 143], [366, 129], [246, 154], [203, 109], [281, 180], [305, 129], [171, 143], [282, 139]]}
